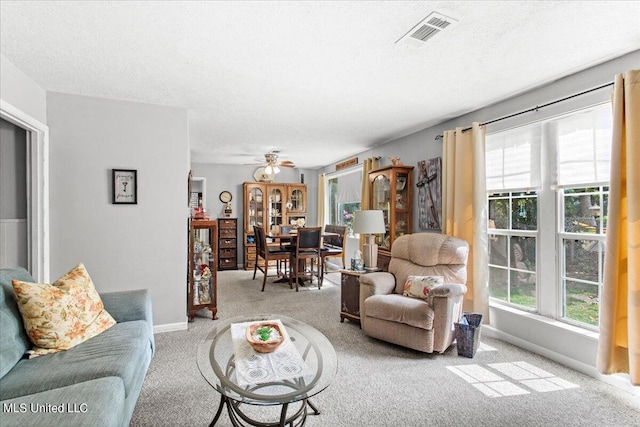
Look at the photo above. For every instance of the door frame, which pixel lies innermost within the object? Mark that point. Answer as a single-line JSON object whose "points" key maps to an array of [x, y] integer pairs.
{"points": [[37, 188]]}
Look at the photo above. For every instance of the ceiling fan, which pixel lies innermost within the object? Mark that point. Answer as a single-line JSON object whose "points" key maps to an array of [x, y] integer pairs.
{"points": [[272, 165]]}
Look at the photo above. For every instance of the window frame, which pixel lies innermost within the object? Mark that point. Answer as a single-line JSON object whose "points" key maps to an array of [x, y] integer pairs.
{"points": [[549, 265]]}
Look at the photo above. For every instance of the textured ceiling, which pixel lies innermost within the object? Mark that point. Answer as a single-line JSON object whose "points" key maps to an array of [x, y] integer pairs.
{"points": [[319, 81]]}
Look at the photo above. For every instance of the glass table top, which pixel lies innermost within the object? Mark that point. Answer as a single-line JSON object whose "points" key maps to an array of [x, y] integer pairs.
{"points": [[216, 361]]}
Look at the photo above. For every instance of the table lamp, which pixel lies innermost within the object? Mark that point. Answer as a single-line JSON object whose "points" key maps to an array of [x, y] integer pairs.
{"points": [[369, 223]]}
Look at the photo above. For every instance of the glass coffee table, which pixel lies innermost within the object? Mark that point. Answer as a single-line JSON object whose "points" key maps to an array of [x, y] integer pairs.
{"points": [[246, 401]]}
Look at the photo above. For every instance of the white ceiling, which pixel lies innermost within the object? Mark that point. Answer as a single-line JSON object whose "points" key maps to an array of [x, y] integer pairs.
{"points": [[319, 81]]}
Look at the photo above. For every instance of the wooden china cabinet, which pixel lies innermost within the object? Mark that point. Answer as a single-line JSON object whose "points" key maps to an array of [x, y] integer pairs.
{"points": [[392, 193], [202, 290], [270, 205]]}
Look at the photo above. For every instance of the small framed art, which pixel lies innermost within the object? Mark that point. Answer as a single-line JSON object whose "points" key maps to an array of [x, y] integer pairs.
{"points": [[125, 186]]}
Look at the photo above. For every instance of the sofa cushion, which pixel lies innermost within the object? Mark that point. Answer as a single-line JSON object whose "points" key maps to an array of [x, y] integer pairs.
{"points": [[122, 351], [99, 403], [64, 314], [12, 334], [400, 309]]}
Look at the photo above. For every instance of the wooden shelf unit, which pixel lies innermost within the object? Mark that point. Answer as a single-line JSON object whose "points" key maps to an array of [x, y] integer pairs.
{"points": [[270, 205], [202, 287], [227, 243], [392, 193]]}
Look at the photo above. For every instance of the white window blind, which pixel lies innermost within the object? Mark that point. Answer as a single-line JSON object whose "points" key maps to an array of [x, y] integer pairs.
{"points": [[512, 158], [583, 144]]}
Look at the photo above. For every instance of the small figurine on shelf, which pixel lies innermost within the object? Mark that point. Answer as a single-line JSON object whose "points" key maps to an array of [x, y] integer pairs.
{"points": [[205, 295], [205, 271]]}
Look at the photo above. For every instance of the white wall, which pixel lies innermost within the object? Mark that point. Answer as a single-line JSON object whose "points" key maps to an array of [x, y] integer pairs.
{"points": [[20, 91], [123, 246]]}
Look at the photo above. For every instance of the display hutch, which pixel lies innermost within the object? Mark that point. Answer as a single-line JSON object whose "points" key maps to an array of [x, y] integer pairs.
{"points": [[227, 243], [202, 291], [296, 203], [392, 193], [270, 205]]}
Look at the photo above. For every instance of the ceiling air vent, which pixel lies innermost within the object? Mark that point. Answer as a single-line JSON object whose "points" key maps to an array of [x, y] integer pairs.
{"points": [[426, 29]]}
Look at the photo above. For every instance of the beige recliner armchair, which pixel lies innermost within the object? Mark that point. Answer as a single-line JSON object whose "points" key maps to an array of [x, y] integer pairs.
{"points": [[425, 325]]}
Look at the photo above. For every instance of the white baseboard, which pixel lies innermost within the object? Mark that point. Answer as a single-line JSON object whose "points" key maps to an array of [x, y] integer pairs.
{"points": [[620, 381], [170, 327]]}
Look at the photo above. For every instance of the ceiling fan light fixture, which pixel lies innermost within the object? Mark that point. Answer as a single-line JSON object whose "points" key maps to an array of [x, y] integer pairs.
{"points": [[276, 169], [268, 169]]}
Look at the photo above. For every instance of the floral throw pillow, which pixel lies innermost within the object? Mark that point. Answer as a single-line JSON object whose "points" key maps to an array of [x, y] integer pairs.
{"points": [[61, 315], [420, 286]]}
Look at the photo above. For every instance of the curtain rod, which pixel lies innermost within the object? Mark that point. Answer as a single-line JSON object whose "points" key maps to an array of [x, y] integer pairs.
{"points": [[537, 107]]}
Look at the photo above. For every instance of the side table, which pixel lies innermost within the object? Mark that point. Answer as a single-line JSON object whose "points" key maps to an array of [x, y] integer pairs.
{"points": [[350, 295]]}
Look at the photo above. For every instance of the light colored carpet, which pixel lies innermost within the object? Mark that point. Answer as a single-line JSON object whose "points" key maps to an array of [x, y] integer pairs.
{"points": [[379, 384]]}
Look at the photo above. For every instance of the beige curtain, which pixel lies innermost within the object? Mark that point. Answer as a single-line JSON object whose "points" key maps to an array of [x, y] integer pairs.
{"points": [[322, 182], [619, 344], [368, 165], [464, 208]]}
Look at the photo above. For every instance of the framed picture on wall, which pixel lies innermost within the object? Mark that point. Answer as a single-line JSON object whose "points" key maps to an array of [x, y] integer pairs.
{"points": [[125, 186]]}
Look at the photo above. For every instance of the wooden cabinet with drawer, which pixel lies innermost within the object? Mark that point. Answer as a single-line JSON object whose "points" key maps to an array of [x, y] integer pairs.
{"points": [[227, 243]]}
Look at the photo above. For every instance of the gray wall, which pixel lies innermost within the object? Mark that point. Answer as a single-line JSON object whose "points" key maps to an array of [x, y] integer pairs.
{"points": [[14, 246], [13, 171], [123, 246]]}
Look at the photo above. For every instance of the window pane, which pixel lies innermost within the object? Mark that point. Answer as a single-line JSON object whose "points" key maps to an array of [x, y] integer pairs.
{"points": [[523, 253], [581, 302], [498, 250], [346, 215], [581, 259], [581, 213], [499, 213], [498, 283], [523, 289], [524, 213]]}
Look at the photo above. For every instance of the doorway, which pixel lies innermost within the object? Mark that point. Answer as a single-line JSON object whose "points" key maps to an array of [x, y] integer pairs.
{"points": [[24, 198], [14, 236]]}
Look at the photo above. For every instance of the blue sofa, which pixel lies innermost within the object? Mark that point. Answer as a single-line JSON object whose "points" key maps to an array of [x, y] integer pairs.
{"points": [[96, 383]]}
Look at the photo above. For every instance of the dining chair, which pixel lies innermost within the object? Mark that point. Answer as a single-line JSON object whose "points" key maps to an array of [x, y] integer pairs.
{"points": [[286, 243], [267, 253], [334, 246], [307, 246]]}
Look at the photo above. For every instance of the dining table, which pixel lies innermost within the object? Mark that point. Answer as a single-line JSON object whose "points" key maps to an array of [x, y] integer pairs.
{"points": [[289, 236]]}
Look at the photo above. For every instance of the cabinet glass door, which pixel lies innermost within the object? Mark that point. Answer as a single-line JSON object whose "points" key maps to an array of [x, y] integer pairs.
{"points": [[297, 201], [256, 213], [274, 207], [381, 197], [402, 207], [203, 262]]}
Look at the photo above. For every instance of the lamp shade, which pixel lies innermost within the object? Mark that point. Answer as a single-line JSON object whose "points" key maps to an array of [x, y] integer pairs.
{"points": [[369, 222]]}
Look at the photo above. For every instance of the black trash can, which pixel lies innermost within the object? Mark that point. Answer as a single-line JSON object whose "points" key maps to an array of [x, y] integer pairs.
{"points": [[468, 334]]}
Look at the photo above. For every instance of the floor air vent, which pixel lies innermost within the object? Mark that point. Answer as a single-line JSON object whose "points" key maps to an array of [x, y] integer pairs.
{"points": [[426, 29]]}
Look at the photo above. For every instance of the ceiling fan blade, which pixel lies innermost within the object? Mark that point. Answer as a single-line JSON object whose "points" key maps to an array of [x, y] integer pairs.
{"points": [[287, 164]]}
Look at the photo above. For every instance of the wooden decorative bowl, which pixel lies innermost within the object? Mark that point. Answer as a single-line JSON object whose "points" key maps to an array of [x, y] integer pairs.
{"points": [[264, 346]]}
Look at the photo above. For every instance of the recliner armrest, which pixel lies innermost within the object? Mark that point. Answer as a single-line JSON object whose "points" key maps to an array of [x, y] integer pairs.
{"points": [[449, 290], [377, 283]]}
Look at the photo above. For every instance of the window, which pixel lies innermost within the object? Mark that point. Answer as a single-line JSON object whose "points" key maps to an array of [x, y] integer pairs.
{"points": [[512, 247], [582, 239], [344, 197], [547, 186]]}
